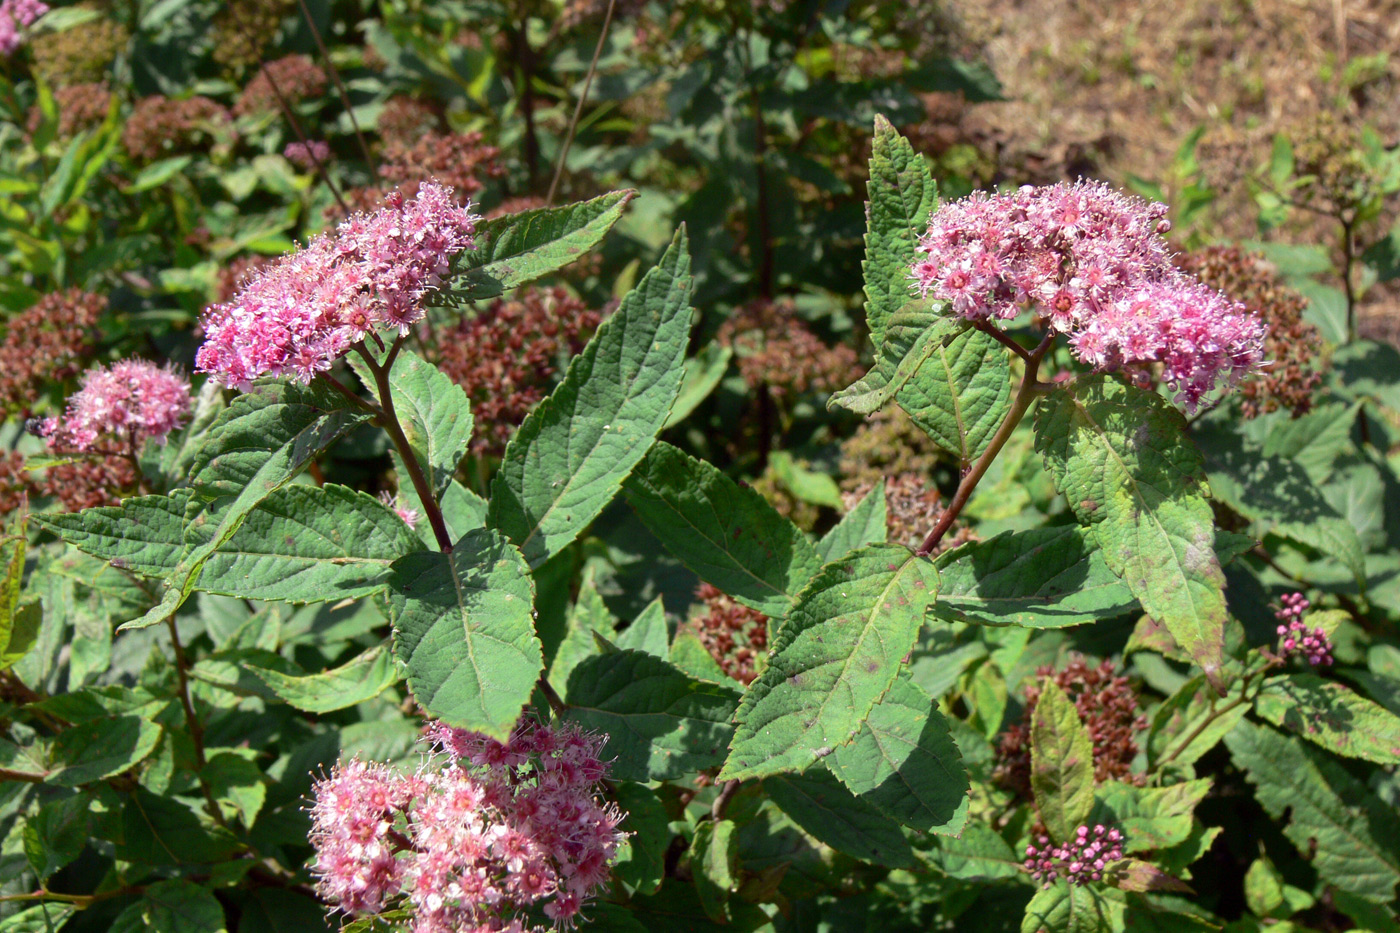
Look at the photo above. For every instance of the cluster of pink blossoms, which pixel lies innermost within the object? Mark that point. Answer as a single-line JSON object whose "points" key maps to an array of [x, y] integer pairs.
{"points": [[470, 844], [1078, 861], [129, 401], [1294, 637], [297, 315], [1096, 267], [15, 17]]}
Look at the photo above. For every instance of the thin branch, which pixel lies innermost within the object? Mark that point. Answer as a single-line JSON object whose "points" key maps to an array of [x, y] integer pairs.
{"points": [[339, 86], [578, 109], [721, 803], [1000, 336], [192, 723], [555, 701]]}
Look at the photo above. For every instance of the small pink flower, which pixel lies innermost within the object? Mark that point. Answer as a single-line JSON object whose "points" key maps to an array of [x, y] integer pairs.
{"points": [[130, 402], [15, 17], [1295, 638]]}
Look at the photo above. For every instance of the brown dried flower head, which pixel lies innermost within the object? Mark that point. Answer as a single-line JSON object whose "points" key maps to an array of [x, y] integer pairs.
{"points": [[887, 444], [913, 506], [164, 126], [1293, 347], [509, 356], [404, 120], [244, 30], [50, 342], [735, 635], [81, 54], [296, 77], [1108, 707], [80, 107], [90, 482], [776, 348]]}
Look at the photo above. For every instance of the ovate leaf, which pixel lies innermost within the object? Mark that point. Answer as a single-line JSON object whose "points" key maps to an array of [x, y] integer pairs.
{"points": [[833, 659], [904, 762], [714, 861], [863, 524], [433, 411], [1039, 578], [726, 533], [818, 803], [463, 627], [517, 248], [1190, 723], [362, 678], [902, 195], [310, 544], [661, 724], [173, 907], [570, 456], [1121, 457], [961, 394], [1332, 715], [145, 534], [101, 748], [912, 334], [1349, 833], [1070, 908], [1062, 763]]}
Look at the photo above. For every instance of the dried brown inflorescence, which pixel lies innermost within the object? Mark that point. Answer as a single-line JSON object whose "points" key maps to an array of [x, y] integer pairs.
{"points": [[735, 635], [887, 444], [296, 77], [48, 343], [1293, 347], [233, 276], [1108, 707], [80, 107], [88, 483], [164, 126], [776, 348], [460, 160], [913, 506], [16, 484], [404, 120], [244, 30], [508, 357]]}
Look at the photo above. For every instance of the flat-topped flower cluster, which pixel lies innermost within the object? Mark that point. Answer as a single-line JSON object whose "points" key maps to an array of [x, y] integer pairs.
{"points": [[1095, 266], [296, 316], [1079, 861], [128, 402], [473, 842]]}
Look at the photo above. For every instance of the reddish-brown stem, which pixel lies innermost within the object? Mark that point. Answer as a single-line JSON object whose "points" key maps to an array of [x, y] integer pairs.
{"points": [[28, 777], [388, 419], [578, 108], [721, 803], [191, 719], [551, 696], [339, 85], [1025, 395], [1000, 336]]}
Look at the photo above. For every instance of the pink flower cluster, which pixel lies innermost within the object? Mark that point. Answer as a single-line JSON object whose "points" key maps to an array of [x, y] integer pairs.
{"points": [[1078, 861], [297, 315], [1294, 637], [308, 154], [130, 401], [470, 843], [1094, 264], [15, 17]]}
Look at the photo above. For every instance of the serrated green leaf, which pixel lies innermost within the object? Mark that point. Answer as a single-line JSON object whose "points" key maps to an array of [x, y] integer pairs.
{"points": [[310, 544], [833, 659], [1346, 831], [726, 533], [1331, 715], [912, 335], [1039, 578], [571, 455], [1315, 440], [978, 853], [12, 552], [362, 678], [1190, 723], [518, 248], [1280, 498], [660, 723], [159, 830], [463, 626], [960, 396], [1121, 456], [703, 373], [588, 616], [101, 748], [1150, 817], [1062, 763], [806, 484], [255, 448], [641, 859], [904, 762], [57, 834], [648, 632], [172, 907], [434, 412], [238, 785], [902, 195], [41, 918], [1070, 908], [714, 863], [144, 535], [864, 524], [818, 803]]}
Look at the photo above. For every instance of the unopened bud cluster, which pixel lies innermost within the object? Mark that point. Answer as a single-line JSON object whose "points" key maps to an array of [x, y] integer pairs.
{"points": [[470, 843], [1079, 861], [1095, 266], [1295, 639]]}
